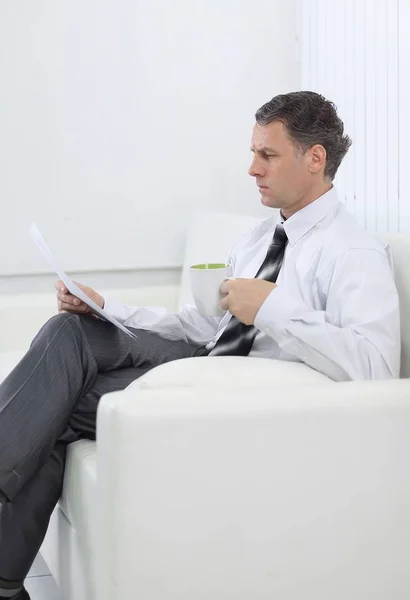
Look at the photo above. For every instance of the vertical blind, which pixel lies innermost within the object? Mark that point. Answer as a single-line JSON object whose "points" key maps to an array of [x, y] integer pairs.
{"points": [[357, 54]]}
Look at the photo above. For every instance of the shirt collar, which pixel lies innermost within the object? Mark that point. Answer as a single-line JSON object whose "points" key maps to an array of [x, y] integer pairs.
{"points": [[306, 218]]}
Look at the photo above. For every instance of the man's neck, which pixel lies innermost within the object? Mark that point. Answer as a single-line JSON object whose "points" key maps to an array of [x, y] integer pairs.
{"points": [[308, 199]]}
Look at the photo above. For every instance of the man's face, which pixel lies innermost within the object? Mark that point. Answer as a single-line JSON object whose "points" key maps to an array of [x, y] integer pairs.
{"points": [[281, 172]]}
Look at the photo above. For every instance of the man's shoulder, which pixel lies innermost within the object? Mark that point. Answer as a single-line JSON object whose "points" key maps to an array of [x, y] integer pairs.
{"points": [[346, 233]]}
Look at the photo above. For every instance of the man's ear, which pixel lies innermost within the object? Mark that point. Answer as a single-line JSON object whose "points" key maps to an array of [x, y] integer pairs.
{"points": [[317, 158]]}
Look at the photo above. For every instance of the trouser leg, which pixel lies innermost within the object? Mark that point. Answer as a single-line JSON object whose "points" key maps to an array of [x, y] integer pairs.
{"points": [[25, 519], [38, 397], [51, 399]]}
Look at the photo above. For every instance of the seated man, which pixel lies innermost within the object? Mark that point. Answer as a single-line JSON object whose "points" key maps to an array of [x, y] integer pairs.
{"points": [[315, 289]]}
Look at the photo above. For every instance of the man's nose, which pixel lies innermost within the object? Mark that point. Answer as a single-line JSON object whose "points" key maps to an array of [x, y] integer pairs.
{"points": [[255, 169]]}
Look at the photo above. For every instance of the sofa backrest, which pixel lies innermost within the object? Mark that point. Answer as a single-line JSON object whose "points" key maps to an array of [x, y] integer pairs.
{"points": [[400, 245], [210, 239], [212, 235]]}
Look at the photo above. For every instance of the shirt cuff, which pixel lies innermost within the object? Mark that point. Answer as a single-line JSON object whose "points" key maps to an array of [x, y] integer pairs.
{"points": [[276, 313]]}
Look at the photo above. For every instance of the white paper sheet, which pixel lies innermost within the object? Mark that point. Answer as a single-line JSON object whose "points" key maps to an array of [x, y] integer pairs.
{"points": [[70, 285]]}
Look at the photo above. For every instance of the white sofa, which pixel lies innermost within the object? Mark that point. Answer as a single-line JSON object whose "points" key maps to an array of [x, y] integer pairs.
{"points": [[231, 477]]}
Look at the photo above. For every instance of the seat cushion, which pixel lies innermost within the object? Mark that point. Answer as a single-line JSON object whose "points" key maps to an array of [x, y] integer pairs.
{"points": [[79, 498], [218, 372], [69, 546]]}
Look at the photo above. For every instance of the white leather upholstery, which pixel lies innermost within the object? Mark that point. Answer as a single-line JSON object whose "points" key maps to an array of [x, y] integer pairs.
{"points": [[80, 496], [291, 493], [213, 480], [400, 246], [69, 549], [223, 372]]}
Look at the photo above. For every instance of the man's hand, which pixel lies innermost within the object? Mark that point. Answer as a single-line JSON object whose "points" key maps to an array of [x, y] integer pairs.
{"points": [[244, 297], [66, 302]]}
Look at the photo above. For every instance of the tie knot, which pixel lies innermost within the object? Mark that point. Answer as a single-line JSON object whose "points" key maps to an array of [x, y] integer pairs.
{"points": [[279, 237]]}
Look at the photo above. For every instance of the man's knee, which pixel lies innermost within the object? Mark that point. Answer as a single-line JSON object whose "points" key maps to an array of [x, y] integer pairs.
{"points": [[59, 323], [62, 318]]}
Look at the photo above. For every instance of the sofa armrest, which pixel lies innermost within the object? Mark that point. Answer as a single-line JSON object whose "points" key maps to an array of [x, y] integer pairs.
{"points": [[228, 493]]}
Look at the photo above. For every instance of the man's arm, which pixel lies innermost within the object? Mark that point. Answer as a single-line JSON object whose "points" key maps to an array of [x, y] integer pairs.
{"points": [[357, 336], [187, 324]]}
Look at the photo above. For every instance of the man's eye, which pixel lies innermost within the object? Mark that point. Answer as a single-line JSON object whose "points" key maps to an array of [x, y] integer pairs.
{"points": [[269, 156]]}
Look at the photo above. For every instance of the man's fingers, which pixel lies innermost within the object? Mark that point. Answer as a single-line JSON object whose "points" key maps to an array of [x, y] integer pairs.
{"points": [[68, 299], [225, 287], [64, 307], [67, 307], [60, 287], [224, 303]]}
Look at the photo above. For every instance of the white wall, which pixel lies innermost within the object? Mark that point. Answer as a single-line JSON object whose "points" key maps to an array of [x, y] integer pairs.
{"points": [[357, 53], [119, 119]]}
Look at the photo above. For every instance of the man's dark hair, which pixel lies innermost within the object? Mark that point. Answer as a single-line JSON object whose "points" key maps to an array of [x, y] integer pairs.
{"points": [[309, 119]]}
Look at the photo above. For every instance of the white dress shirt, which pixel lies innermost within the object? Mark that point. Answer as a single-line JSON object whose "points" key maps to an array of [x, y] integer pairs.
{"points": [[335, 306]]}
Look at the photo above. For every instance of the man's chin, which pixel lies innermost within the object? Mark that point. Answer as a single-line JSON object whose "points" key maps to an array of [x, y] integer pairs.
{"points": [[269, 202]]}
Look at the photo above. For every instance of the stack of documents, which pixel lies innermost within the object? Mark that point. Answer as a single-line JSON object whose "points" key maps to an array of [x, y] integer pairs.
{"points": [[69, 283]]}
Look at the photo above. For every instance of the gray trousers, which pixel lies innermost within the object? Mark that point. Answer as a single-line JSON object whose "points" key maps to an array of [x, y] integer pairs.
{"points": [[50, 400]]}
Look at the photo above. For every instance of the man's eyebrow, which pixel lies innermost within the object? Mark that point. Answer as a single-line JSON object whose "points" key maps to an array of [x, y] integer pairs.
{"points": [[263, 149]]}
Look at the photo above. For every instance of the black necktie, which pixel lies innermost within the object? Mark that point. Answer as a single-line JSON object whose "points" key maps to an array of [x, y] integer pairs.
{"points": [[237, 339]]}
